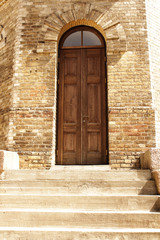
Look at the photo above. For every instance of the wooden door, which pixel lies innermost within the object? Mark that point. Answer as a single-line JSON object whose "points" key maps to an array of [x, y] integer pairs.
{"points": [[82, 107]]}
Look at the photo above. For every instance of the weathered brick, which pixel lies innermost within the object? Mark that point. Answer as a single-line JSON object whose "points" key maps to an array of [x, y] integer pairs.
{"points": [[28, 75]]}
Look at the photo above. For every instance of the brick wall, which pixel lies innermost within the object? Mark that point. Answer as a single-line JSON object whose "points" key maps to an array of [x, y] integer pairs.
{"points": [[8, 21], [32, 120], [153, 25]]}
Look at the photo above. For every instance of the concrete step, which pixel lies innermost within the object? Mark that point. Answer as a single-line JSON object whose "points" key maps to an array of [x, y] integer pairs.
{"points": [[65, 187], [78, 219], [107, 203], [79, 203], [78, 234], [77, 173]]}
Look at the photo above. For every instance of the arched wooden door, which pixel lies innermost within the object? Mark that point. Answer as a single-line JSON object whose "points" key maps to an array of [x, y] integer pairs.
{"points": [[81, 98]]}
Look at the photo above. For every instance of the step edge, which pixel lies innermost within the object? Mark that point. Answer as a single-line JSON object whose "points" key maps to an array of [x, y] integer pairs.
{"points": [[57, 229], [79, 211]]}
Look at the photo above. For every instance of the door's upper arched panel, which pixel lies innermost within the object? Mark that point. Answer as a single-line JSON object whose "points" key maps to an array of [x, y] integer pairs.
{"points": [[82, 36]]}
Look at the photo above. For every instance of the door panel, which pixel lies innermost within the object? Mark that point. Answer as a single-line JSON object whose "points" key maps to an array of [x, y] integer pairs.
{"points": [[94, 103], [94, 143], [69, 108], [81, 107], [70, 103], [94, 82]]}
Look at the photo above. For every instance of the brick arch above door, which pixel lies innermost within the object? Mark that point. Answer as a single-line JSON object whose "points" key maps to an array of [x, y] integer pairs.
{"points": [[83, 22], [107, 22]]}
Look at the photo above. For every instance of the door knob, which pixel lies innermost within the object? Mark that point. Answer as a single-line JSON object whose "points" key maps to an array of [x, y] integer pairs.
{"points": [[84, 120]]}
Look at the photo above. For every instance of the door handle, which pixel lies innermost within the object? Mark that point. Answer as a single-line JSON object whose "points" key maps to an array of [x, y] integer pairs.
{"points": [[84, 120]]}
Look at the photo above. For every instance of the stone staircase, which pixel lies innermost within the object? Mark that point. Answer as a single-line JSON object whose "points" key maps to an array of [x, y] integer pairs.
{"points": [[78, 203]]}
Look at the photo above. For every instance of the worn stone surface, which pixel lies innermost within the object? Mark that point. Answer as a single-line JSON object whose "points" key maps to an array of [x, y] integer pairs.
{"points": [[156, 177], [28, 65], [69, 173], [78, 213], [80, 234], [151, 159], [9, 160], [1, 160]]}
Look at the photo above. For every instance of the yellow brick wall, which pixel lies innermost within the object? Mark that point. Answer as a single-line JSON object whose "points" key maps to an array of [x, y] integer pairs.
{"points": [[32, 121], [8, 21]]}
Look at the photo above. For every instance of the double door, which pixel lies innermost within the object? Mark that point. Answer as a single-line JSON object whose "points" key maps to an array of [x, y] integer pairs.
{"points": [[81, 107]]}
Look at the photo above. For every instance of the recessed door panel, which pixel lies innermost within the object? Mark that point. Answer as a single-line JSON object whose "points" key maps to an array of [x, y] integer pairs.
{"points": [[94, 103], [70, 103], [69, 142]]}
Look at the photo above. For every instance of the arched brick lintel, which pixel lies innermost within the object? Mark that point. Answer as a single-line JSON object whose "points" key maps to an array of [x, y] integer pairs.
{"points": [[84, 22]]}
